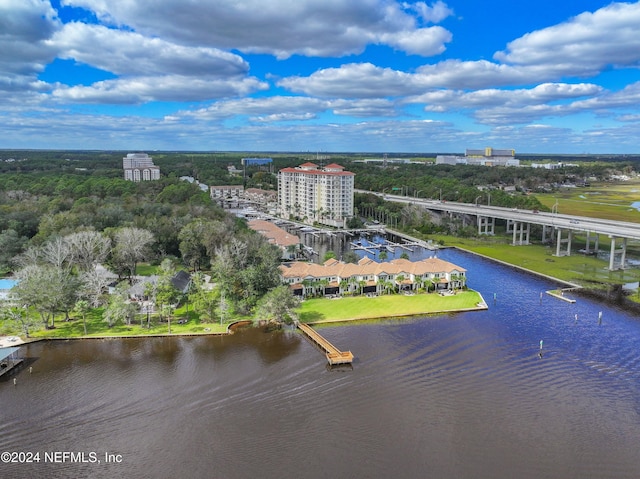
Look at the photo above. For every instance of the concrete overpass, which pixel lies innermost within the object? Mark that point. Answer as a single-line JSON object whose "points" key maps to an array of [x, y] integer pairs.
{"points": [[519, 224]]}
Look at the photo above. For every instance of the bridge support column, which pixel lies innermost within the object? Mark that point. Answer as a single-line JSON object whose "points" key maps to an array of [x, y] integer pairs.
{"points": [[520, 233], [561, 241], [486, 225], [622, 252], [588, 245], [510, 226], [544, 234]]}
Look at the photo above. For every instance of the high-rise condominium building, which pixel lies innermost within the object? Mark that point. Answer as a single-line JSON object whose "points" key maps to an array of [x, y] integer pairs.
{"points": [[139, 167], [313, 194]]}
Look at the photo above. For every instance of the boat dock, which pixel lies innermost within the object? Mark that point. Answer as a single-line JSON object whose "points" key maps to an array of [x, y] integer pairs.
{"points": [[9, 360], [561, 296], [334, 355]]}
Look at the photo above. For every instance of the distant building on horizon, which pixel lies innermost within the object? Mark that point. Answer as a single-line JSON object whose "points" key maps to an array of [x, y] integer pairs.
{"points": [[487, 157], [139, 167]]}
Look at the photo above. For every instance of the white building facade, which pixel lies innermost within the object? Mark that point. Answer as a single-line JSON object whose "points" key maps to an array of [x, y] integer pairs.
{"points": [[139, 167], [312, 194], [486, 157]]}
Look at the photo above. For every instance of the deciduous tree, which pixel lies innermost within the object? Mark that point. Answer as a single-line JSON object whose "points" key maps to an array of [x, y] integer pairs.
{"points": [[279, 305], [132, 246]]}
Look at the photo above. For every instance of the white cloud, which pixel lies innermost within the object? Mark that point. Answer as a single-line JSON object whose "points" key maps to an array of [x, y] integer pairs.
{"points": [[149, 69], [130, 132], [287, 108], [172, 51], [278, 27], [129, 53], [601, 102], [157, 88], [583, 45], [25, 25], [376, 107], [279, 117], [365, 80], [354, 80], [629, 118], [443, 100], [256, 107], [423, 41], [628, 97], [432, 14]]}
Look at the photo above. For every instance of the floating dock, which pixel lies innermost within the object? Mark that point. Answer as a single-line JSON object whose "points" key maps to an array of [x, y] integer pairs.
{"points": [[560, 296], [334, 355]]}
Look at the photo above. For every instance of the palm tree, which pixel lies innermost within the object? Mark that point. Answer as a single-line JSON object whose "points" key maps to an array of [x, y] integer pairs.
{"points": [[307, 285], [353, 282], [386, 285], [428, 284], [344, 284], [324, 282]]}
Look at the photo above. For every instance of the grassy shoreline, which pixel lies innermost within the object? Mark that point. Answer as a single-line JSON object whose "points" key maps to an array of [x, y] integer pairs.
{"points": [[358, 308], [312, 311]]}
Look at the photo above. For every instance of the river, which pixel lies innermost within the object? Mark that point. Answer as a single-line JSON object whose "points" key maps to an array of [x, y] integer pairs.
{"points": [[451, 396]]}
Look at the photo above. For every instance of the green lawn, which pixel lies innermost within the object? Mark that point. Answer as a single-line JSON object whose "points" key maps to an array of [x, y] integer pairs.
{"points": [[600, 200], [362, 307], [97, 327], [146, 269]]}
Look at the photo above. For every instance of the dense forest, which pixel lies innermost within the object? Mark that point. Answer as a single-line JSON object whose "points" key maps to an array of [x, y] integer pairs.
{"points": [[64, 212], [44, 194]]}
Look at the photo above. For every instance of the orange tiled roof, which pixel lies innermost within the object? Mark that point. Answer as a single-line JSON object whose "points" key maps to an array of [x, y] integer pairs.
{"points": [[367, 266], [273, 233], [313, 169]]}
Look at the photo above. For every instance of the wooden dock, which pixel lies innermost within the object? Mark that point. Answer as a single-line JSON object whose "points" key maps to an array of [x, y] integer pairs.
{"points": [[334, 355]]}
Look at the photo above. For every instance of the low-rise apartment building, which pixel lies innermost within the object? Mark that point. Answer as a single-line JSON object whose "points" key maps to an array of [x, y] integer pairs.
{"points": [[369, 276]]}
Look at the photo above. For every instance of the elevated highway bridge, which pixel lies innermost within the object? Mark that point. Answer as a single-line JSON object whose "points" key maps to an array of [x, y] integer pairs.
{"points": [[519, 224]]}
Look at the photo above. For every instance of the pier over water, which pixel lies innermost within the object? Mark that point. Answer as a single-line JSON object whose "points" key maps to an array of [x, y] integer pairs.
{"points": [[334, 355]]}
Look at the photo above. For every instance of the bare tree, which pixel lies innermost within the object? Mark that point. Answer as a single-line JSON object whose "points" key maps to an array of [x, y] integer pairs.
{"points": [[93, 286], [132, 246], [30, 257], [88, 248], [57, 252]]}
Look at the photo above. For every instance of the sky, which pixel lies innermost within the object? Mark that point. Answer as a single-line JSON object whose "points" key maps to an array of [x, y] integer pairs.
{"points": [[543, 76]]}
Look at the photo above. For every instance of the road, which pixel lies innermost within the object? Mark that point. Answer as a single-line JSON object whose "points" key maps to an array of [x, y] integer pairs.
{"points": [[618, 229]]}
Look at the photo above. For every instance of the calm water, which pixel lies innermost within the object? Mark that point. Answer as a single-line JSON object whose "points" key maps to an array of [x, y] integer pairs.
{"points": [[455, 396]]}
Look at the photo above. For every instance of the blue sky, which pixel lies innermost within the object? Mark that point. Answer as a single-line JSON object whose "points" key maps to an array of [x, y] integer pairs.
{"points": [[321, 75]]}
